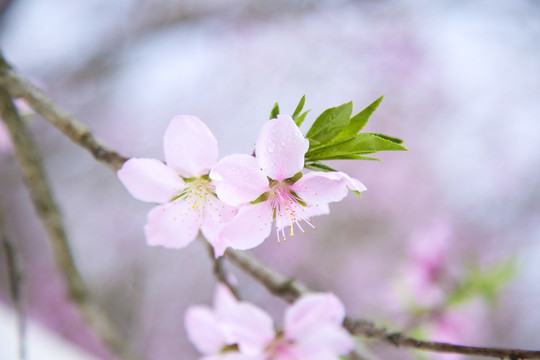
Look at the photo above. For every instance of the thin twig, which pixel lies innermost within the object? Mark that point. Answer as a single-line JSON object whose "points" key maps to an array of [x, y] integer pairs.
{"points": [[276, 283], [219, 270], [77, 131], [367, 329], [15, 277], [29, 160]]}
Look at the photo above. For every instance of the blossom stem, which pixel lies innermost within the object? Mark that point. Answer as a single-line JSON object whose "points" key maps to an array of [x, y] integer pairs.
{"points": [[219, 270]]}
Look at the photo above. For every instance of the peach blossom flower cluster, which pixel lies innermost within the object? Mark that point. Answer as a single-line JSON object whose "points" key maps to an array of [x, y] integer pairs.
{"points": [[234, 202]]}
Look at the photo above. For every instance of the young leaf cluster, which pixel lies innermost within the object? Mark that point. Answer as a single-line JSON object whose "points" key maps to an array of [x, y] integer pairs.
{"points": [[335, 135], [486, 283]]}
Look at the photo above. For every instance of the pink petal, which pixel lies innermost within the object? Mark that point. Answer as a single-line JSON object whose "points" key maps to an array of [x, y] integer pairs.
{"points": [[233, 356], [204, 330], [248, 229], [216, 215], [324, 342], [323, 187], [238, 179], [150, 180], [224, 300], [312, 310], [190, 147], [248, 326], [173, 225], [245, 324], [281, 148], [352, 183]]}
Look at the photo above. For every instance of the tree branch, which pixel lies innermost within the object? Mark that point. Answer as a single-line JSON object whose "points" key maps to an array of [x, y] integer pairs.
{"points": [[276, 283], [219, 270], [33, 174], [77, 131], [15, 276]]}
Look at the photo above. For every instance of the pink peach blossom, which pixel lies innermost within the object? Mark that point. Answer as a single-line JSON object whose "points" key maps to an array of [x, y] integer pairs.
{"points": [[312, 329], [271, 185], [181, 187]]}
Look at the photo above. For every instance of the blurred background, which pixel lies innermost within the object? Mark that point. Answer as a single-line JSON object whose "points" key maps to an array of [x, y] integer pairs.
{"points": [[446, 241]]}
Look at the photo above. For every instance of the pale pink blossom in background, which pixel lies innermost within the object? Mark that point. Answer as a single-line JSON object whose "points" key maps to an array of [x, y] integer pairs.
{"points": [[181, 187], [272, 181], [312, 329], [428, 271], [463, 324]]}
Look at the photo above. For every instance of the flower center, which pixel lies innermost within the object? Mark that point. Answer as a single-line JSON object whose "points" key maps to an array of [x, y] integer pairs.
{"points": [[280, 347], [288, 208], [196, 191]]}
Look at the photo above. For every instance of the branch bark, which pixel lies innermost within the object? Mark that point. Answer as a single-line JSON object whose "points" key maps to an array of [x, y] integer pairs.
{"points": [[219, 270], [278, 284], [15, 276], [77, 131], [34, 178]]}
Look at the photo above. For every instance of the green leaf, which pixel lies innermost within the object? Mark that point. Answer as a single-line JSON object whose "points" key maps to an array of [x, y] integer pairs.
{"points": [[357, 193], [486, 283], [330, 123], [313, 143], [275, 111], [319, 166], [300, 119], [357, 145], [360, 120], [353, 157], [299, 107], [388, 137]]}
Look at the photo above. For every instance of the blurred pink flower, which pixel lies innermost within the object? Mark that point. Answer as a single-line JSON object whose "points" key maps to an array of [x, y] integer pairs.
{"points": [[181, 187], [428, 274], [272, 186], [312, 329], [465, 323]]}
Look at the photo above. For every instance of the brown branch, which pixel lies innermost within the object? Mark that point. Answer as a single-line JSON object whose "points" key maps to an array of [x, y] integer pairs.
{"points": [[219, 270], [276, 283], [33, 174], [77, 131], [15, 276]]}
